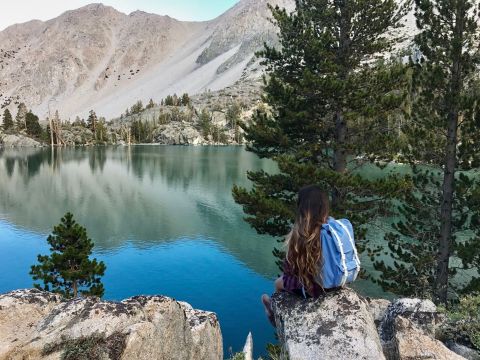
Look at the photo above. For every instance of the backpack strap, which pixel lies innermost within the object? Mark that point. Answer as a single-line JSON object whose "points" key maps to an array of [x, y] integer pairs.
{"points": [[342, 254], [357, 260]]}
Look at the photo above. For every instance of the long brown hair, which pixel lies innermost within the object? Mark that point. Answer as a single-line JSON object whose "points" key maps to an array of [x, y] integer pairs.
{"points": [[304, 250]]}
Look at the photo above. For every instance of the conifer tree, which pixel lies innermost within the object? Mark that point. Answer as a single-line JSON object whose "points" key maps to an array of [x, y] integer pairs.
{"points": [[7, 120], [185, 100], [205, 123], [150, 104], [92, 123], [441, 218], [32, 124], [68, 270], [21, 117], [328, 103], [137, 108]]}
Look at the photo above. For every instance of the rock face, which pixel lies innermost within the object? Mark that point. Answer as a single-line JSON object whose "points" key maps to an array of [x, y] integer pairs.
{"points": [[343, 325], [411, 343], [337, 326], [179, 134], [96, 57], [40, 325], [17, 141]]}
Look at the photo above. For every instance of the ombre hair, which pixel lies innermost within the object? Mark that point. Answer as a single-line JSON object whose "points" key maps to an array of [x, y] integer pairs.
{"points": [[304, 250]]}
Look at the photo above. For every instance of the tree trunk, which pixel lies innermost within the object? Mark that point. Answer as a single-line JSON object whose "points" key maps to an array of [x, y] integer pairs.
{"points": [[450, 163], [75, 289], [339, 156], [340, 153]]}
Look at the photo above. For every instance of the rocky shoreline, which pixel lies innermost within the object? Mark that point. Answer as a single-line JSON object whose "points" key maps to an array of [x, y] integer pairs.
{"points": [[341, 325], [41, 325]]}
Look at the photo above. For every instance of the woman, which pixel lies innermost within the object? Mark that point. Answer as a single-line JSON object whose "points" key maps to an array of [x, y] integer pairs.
{"points": [[301, 269]]}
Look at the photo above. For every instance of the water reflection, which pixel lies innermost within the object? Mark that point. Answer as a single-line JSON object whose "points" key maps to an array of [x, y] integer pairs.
{"points": [[144, 195]]}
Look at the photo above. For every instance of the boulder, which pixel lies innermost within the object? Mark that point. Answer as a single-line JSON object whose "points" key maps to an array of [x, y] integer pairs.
{"points": [[40, 325], [408, 328], [177, 133], [343, 325], [378, 309], [462, 350], [335, 326], [423, 313], [411, 343], [10, 140]]}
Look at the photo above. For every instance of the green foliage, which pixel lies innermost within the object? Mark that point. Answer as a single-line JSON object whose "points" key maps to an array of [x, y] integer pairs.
{"points": [[463, 321], [205, 123], [136, 108], [234, 120], [141, 131], [92, 122], [150, 104], [233, 114], [68, 270], [435, 245], [327, 106], [171, 100], [185, 101], [218, 134], [101, 131], [164, 118], [174, 100], [238, 356], [32, 125], [7, 120], [20, 118], [86, 348], [275, 352]]}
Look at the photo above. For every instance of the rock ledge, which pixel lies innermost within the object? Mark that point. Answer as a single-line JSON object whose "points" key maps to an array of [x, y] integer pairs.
{"points": [[40, 325]]}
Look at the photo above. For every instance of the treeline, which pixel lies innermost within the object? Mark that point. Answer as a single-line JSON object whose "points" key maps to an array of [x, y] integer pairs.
{"points": [[170, 100], [141, 129], [25, 121]]}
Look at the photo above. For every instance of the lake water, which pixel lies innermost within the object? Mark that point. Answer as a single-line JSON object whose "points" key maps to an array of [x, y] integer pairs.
{"points": [[162, 218]]}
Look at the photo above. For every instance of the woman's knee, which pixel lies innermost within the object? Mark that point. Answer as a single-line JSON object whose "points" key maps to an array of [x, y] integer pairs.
{"points": [[279, 284]]}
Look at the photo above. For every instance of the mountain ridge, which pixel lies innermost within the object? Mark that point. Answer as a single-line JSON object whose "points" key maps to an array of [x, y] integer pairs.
{"points": [[96, 57]]}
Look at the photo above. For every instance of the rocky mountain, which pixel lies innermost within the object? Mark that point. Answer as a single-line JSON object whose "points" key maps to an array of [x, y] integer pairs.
{"points": [[98, 58]]}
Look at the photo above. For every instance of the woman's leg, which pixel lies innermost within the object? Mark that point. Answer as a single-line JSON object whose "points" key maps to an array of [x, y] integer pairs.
{"points": [[267, 302], [279, 284]]}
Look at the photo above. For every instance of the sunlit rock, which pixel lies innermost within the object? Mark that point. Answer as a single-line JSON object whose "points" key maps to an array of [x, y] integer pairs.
{"points": [[40, 325], [335, 326], [18, 140]]}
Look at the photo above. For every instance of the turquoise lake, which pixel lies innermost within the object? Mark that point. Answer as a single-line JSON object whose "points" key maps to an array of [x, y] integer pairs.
{"points": [[162, 218]]}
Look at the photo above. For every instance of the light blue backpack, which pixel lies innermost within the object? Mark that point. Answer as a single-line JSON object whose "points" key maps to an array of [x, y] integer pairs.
{"points": [[340, 258]]}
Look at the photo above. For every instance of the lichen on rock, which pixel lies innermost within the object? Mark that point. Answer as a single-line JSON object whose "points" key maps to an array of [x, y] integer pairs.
{"points": [[40, 325], [335, 326], [343, 325]]}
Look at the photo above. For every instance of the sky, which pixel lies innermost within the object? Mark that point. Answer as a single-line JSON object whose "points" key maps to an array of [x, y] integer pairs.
{"points": [[18, 11]]}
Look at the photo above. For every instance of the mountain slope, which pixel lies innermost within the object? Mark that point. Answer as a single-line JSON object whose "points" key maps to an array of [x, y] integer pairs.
{"points": [[98, 58]]}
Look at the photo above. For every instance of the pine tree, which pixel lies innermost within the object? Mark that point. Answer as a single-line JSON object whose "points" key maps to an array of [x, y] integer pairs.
{"points": [[7, 120], [205, 123], [185, 100], [441, 218], [92, 123], [32, 125], [101, 133], [20, 118], [68, 270], [328, 103], [137, 108], [150, 104], [168, 101]]}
